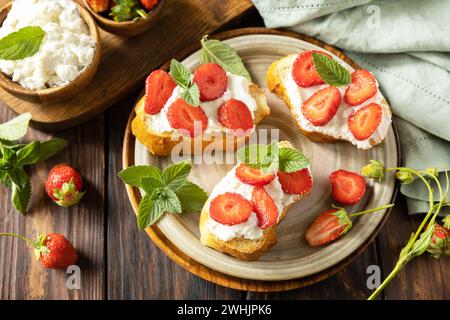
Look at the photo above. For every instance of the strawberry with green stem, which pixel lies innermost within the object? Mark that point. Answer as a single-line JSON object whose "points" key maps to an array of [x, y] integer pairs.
{"points": [[332, 224], [64, 185], [421, 240], [53, 250]]}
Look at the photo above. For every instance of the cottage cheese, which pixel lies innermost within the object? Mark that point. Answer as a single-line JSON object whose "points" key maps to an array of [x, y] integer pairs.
{"points": [[67, 48], [337, 127], [248, 229], [238, 88]]}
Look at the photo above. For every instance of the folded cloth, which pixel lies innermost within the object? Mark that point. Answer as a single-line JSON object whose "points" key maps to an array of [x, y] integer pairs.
{"points": [[406, 44]]}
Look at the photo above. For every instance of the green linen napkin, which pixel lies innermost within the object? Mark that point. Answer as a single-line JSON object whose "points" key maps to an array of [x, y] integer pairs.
{"points": [[406, 44]]}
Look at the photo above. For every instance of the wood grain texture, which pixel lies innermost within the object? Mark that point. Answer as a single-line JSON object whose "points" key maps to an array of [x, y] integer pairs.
{"points": [[21, 276], [130, 60]]}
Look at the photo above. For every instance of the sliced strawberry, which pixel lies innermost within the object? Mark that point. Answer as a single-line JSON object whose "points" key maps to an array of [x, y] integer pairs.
{"points": [[348, 187], [321, 107], [327, 227], [212, 81], [158, 89], [235, 115], [264, 207], [183, 116], [298, 182], [364, 122], [362, 88], [230, 209], [253, 176], [304, 71]]}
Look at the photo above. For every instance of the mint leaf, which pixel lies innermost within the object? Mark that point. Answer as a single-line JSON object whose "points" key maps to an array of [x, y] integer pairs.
{"points": [[218, 52], [15, 128], [29, 154], [150, 211], [330, 70], [49, 148], [21, 189], [192, 197], [292, 160], [180, 74], [22, 43], [255, 156], [150, 184], [4, 179], [175, 175], [133, 175], [127, 10], [191, 96], [183, 78]]}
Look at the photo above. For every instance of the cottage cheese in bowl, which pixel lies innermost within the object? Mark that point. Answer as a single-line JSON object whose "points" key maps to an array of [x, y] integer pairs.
{"points": [[66, 51]]}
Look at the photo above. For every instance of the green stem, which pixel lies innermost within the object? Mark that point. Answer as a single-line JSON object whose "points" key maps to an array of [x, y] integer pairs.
{"points": [[371, 210], [399, 266], [29, 241]]}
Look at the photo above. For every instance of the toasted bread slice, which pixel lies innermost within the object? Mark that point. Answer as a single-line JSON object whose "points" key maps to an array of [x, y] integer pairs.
{"points": [[276, 77], [242, 248], [162, 144]]}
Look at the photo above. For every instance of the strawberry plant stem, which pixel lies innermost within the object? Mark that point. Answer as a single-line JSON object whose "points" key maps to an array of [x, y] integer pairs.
{"points": [[371, 210], [29, 241]]}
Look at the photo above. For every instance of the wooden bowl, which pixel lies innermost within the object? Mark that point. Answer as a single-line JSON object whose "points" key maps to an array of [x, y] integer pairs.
{"points": [[127, 28], [56, 94]]}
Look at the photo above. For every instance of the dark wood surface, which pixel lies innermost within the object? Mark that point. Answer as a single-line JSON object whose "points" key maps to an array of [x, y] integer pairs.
{"points": [[120, 262]]}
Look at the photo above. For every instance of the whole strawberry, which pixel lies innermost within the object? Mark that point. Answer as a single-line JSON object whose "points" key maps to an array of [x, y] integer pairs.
{"points": [[53, 250], [64, 185], [440, 241], [148, 4]]}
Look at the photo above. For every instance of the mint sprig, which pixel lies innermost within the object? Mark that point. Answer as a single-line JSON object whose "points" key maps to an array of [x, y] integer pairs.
{"points": [[272, 157], [216, 51], [331, 71], [183, 78], [22, 43], [14, 156], [168, 191]]}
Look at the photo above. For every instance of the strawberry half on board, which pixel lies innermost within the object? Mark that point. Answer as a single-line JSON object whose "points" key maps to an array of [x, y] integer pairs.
{"points": [[64, 185], [362, 88], [348, 187], [298, 182], [253, 176], [264, 207], [230, 209], [53, 250], [235, 115], [159, 86], [321, 107], [186, 117], [327, 227], [212, 81], [364, 122], [303, 70]]}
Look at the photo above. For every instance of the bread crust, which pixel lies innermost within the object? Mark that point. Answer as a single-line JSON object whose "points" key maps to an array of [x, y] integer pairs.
{"points": [[161, 144], [276, 72], [241, 248]]}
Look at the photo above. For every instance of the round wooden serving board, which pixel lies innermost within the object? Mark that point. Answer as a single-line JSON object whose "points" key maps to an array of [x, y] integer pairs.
{"points": [[292, 263]]}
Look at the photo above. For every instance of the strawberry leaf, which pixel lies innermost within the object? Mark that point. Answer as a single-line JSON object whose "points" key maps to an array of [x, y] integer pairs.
{"points": [[330, 70]]}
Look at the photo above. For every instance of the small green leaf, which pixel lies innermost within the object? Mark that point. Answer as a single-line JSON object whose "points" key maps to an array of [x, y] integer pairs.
{"points": [[292, 160], [150, 211], [192, 197], [191, 95], [150, 184], [134, 175], [216, 51], [21, 189], [15, 128], [175, 175], [330, 70], [180, 74], [5, 180], [255, 155], [171, 202], [28, 154], [421, 245], [50, 148], [22, 43]]}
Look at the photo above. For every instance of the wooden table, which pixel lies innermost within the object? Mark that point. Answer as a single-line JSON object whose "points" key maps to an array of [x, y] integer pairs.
{"points": [[120, 262]]}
